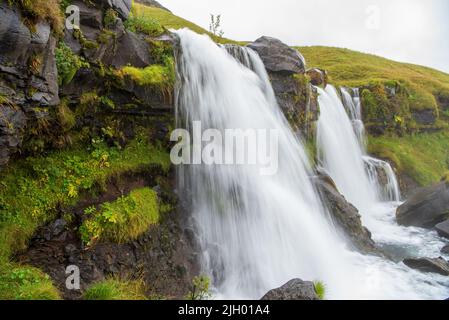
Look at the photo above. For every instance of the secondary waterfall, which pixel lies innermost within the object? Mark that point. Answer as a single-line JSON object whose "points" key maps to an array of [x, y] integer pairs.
{"points": [[257, 232], [368, 183]]}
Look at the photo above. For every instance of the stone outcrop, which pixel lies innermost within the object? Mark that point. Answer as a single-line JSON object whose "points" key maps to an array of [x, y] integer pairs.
{"points": [[426, 208], [286, 68], [445, 250], [295, 289], [443, 229], [345, 215], [318, 77], [438, 265], [278, 57], [425, 117]]}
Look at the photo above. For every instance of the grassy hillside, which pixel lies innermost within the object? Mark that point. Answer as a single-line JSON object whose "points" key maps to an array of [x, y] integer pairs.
{"points": [[171, 21], [352, 68], [423, 156]]}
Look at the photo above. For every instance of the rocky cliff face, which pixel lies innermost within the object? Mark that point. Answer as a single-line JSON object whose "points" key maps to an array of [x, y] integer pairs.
{"points": [[64, 91], [294, 91], [32, 87], [28, 77]]}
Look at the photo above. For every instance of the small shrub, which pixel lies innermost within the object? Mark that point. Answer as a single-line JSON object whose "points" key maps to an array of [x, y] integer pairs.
{"points": [[320, 289], [199, 289], [109, 18], [115, 289]]}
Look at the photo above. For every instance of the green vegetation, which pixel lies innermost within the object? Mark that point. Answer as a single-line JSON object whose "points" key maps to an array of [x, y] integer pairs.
{"points": [[199, 289], [423, 157], [320, 289], [49, 10], [150, 18], [140, 21], [122, 220], [417, 88], [356, 69], [25, 283], [67, 63], [115, 289], [33, 189]]}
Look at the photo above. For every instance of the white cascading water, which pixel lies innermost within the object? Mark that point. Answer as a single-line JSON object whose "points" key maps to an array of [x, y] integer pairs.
{"points": [[389, 189], [257, 232], [342, 154]]}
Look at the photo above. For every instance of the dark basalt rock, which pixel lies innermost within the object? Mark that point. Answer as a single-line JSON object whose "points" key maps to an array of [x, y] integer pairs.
{"points": [[278, 57], [317, 76], [295, 95], [345, 215], [425, 117], [438, 265], [12, 124], [426, 208], [295, 289], [128, 49], [15, 37], [123, 7], [443, 229], [445, 250]]}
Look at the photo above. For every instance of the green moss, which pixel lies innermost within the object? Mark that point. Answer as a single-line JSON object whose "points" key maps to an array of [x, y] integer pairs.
{"points": [[161, 77], [423, 157], [122, 220], [115, 289], [25, 283]]}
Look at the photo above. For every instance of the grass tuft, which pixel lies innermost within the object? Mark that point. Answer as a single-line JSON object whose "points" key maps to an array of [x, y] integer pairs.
{"points": [[320, 289], [115, 289]]}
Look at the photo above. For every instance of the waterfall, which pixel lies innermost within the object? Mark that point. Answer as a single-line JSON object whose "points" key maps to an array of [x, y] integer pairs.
{"points": [[256, 232], [387, 189], [368, 183]]}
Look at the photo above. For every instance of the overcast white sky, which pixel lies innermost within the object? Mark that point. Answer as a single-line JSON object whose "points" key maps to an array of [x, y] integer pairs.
{"points": [[415, 31]]}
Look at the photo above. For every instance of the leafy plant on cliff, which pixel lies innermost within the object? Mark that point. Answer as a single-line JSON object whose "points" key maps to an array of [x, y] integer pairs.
{"points": [[199, 289], [122, 220], [67, 63]]}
